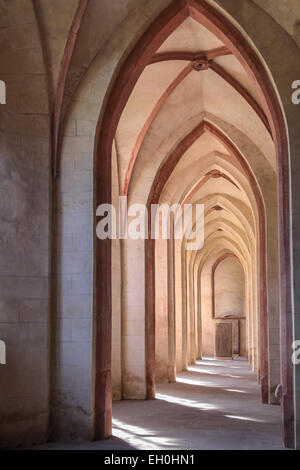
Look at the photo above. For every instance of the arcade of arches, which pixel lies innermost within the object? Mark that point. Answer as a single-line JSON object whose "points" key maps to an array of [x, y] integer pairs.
{"points": [[164, 102]]}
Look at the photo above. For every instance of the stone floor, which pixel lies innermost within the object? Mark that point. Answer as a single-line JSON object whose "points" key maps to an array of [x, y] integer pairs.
{"points": [[214, 405]]}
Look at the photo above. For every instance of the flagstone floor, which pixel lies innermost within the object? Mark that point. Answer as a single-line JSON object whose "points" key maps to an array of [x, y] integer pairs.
{"points": [[214, 405]]}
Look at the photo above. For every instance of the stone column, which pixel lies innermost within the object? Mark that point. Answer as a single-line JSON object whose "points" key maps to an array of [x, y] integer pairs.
{"points": [[192, 357], [178, 302], [171, 310], [184, 311], [199, 316]]}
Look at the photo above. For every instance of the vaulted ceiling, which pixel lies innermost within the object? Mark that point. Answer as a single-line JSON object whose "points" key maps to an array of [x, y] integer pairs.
{"points": [[194, 78]]}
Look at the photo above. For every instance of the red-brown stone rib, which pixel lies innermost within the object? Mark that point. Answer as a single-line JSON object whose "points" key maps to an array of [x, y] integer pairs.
{"points": [[243, 92], [217, 69], [149, 121], [190, 56], [207, 177], [63, 73]]}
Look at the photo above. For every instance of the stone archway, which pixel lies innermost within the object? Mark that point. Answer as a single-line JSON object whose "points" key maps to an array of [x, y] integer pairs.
{"points": [[213, 276], [156, 189], [123, 83]]}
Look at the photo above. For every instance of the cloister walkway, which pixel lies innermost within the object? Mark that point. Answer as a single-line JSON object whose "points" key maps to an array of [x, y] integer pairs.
{"points": [[213, 405]]}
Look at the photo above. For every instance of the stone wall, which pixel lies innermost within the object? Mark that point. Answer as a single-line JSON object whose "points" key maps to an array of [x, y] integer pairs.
{"points": [[25, 217], [24, 228], [73, 284], [229, 288]]}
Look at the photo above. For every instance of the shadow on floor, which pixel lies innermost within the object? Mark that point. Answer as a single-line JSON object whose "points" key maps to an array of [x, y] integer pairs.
{"points": [[213, 405]]}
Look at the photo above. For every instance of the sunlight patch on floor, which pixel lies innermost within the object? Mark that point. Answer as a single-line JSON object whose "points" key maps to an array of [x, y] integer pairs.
{"points": [[245, 418], [185, 402], [139, 437]]}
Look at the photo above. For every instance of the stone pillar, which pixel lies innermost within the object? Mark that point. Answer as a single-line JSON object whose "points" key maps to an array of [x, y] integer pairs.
{"points": [[184, 311], [178, 303], [171, 311], [161, 311], [199, 316], [133, 323], [192, 355]]}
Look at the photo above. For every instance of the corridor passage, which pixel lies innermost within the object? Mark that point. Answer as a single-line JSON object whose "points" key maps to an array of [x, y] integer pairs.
{"points": [[214, 405]]}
